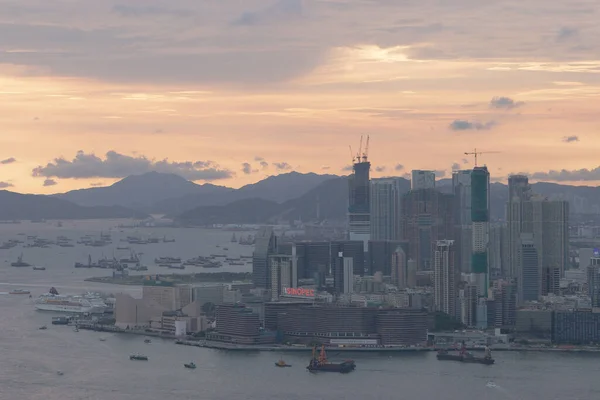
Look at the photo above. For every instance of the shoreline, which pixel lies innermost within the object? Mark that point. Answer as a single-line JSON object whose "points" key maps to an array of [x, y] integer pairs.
{"points": [[201, 277], [297, 349]]}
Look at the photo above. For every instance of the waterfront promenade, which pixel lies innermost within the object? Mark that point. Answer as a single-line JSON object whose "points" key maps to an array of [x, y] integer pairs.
{"points": [[195, 342]]}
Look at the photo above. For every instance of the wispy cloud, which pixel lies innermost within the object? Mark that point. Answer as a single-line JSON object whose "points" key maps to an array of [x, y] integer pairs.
{"points": [[8, 161], [50, 182], [570, 139], [563, 175], [4, 185], [247, 169], [399, 167], [282, 166], [464, 125], [380, 169], [505, 103]]}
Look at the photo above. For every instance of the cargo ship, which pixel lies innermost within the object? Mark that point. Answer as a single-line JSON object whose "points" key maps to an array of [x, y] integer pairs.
{"points": [[466, 357], [321, 364]]}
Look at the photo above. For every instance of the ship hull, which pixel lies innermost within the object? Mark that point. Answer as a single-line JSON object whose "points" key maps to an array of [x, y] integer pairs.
{"points": [[343, 368], [470, 360], [67, 308]]}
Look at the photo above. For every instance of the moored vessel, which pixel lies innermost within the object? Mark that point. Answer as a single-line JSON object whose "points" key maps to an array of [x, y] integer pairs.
{"points": [[138, 357], [321, 363], [466, 357], [20, 262], [190, 365], [53, 301]]}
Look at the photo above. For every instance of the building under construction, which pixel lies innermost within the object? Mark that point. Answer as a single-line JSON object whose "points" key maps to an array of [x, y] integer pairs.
{"points": [[359, 207]]}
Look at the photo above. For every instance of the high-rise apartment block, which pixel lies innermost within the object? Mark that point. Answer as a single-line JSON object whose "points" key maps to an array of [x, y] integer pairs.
{"points": [[422, 180], [385, 208], [545, 224], [463, 230], [427, 216], [445, 278]]}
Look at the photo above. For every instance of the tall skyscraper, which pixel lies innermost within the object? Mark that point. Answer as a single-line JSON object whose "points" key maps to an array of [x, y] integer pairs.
{"points": [[264, 246], [529, 280], [422, 180], [445, 278], [480, 216], [593, 273], [399, 268], [343, 274], [461, 188], [463, 230], [385, 208], [548, 222], [427, 216], [518, 188], [496, 249], [359, 208]]}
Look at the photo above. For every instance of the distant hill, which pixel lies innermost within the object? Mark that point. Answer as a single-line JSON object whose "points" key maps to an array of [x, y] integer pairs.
{"points": [[171, 194], [140, 192], [15, 206], [277, 188]]}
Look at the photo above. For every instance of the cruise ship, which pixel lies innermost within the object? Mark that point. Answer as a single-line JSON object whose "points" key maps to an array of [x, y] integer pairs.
{"points": [[70, 304]]}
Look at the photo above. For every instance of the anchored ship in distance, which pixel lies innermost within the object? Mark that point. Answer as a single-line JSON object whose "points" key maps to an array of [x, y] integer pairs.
{"points": [[466, 357], [53, 301], [321, 363]]}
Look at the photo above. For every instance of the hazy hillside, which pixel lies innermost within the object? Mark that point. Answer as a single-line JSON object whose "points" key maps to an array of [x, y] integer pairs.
{"points": [[140, 191], [27, 206]]}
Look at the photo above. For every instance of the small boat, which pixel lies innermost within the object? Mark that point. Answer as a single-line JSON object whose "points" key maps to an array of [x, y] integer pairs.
{"points": [[39, 268], [138, 357], [59, 373], [43, 328], [102, 339], [190, 365], [19, 291], [76, 329], [282, 364], [147, 341]]}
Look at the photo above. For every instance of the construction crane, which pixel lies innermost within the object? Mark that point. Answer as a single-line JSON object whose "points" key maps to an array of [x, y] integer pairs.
{"points": [[365, 154], [475, 153]]}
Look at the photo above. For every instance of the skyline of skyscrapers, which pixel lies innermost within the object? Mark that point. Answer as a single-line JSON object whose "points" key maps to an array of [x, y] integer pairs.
{"points": [[425, 234]]}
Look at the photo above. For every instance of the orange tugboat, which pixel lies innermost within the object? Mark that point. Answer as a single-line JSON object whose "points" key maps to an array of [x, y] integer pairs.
{"points": [[282, 364], [322, 364]]}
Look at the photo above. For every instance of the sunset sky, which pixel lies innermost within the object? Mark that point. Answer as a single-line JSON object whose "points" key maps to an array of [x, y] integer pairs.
{"points": [[231, 91]]}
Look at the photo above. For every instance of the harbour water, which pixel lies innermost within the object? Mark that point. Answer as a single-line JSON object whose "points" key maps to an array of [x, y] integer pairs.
{"points": [[94, 369]]}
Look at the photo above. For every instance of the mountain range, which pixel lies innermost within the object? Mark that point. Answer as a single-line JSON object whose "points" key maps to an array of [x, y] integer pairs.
{"points": [[284, 197]]}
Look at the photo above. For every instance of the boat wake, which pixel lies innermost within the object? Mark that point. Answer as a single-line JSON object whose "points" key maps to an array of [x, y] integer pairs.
{"points": [[493, 385]]}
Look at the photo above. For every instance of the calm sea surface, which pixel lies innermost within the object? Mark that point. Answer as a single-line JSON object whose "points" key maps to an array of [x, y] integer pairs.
{"points": [[94, 369]]}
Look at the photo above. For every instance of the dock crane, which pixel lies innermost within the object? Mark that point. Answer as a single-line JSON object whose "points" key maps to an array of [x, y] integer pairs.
{"points": [[475, 153]]}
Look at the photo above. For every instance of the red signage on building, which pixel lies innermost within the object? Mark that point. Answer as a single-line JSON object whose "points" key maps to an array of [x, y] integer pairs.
{"points": [[300, 292]]}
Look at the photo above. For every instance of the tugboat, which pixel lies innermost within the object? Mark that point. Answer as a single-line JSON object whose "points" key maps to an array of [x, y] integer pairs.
{"points": [[147, 341], [466, 357], [20, 262], [43, 328], [190, 365], [322, 364], [138, 357], [282, 364]]}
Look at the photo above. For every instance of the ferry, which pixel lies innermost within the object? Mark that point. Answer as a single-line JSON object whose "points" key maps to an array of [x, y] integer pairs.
{"points": [[70, 304]]}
